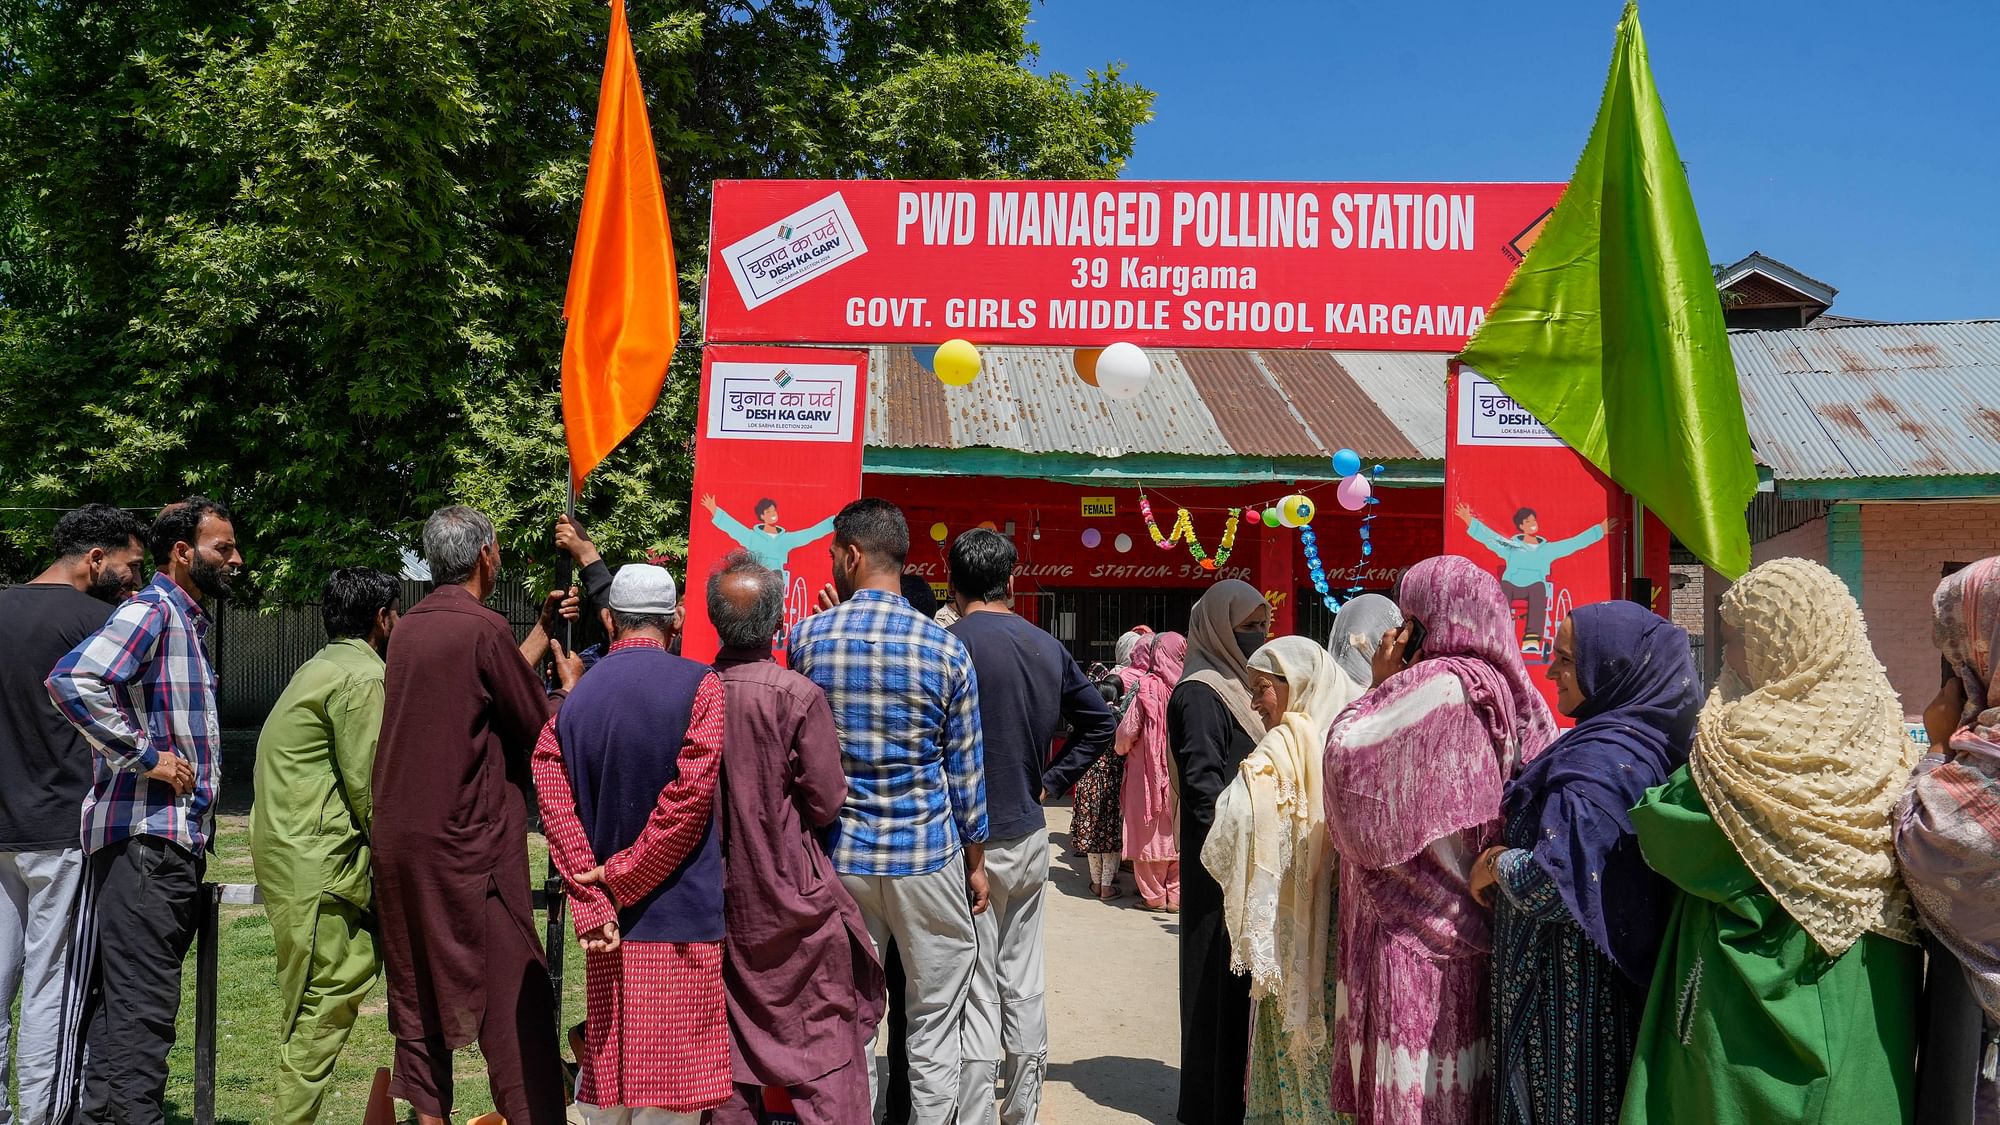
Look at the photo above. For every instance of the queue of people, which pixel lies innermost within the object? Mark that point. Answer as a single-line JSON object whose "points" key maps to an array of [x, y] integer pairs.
{"points": [[1413, 900], [1675, 910]]}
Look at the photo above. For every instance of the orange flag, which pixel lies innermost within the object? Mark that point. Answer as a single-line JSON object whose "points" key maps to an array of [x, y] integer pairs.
{"points": [[623, 305]]}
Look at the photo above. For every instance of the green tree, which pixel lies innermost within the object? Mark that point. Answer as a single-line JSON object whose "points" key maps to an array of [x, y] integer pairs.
{"points": [[309, 255]]}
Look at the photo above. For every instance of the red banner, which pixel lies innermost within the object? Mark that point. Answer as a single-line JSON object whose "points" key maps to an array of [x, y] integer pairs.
{"points": [[1554, 530], [1363, 266], [763, 409]]}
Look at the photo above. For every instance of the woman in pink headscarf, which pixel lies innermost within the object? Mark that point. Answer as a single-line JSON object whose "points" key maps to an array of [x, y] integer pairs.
{"points": [[1948, 839], [1150, 803], [1414, 773]]}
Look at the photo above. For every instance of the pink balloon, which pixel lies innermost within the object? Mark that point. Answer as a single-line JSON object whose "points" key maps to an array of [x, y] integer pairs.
{"points": [[1092, 537], [1353, 492]]}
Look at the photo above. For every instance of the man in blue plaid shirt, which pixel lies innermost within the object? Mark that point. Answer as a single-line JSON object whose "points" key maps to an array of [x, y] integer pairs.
{"points": [[910, 842], [142, 693]]}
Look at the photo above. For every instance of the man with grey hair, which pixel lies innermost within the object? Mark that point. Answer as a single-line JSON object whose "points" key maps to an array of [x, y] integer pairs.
{"points": [[461, 712], [627, 775], [805, 990]]}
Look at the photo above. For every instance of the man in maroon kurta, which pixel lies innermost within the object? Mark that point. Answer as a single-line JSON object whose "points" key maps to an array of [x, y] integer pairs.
{"points": [[461, 712], [804, 987]]}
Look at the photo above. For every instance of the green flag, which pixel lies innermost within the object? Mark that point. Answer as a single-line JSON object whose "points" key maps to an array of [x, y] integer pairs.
{"points": [[1611, 331]]}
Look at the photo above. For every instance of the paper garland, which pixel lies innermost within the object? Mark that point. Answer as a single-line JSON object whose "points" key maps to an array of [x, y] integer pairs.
{"points": [[1184, 532]]}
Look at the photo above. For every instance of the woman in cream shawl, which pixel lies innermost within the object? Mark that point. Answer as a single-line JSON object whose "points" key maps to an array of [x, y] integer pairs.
{"points": [[1785, 987], [1269, 851]]}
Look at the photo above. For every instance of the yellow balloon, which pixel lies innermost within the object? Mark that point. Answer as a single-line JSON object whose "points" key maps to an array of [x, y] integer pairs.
{"points": [[1296, 510], [957, 363], [939, 531]]}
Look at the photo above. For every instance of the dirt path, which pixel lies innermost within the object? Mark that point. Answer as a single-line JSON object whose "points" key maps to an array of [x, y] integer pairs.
{"points": [[1114, 1020]]}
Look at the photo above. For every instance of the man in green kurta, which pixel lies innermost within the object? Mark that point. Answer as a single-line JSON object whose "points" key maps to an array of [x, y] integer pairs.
{"points": [[309, 834]]}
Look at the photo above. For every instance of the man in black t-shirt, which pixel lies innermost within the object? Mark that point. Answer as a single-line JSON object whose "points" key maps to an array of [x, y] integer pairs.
{"points": [[100, 554], [1029, 688]]}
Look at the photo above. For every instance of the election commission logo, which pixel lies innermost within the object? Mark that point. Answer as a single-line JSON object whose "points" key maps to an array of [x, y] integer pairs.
{"points": [[809, 242]]}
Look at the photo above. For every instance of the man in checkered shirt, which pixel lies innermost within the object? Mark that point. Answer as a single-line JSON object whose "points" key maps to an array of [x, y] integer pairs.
{"points": [[142, 692], [910, 843]]}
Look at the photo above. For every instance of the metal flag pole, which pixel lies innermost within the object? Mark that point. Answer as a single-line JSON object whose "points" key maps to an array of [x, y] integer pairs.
{"points": [[552, 888]]}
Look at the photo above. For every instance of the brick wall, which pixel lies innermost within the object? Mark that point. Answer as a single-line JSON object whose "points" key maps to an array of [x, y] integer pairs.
{"points": [[1689, 597], [1906, 547]]}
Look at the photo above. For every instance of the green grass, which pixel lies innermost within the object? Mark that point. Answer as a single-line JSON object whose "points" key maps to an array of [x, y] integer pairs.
{"points": [[247, 1012]]}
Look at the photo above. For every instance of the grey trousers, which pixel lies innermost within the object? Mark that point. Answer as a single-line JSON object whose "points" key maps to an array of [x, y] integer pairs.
{"points": [[1007, 1019], [930, 918], [39, 892]]}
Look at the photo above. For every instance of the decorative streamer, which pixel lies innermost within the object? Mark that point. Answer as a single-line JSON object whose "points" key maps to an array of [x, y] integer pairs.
{"points": [[1183, 532]]}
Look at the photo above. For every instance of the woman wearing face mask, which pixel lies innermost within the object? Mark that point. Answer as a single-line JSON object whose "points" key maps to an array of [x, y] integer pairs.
{"points": [[1211, 728], [1414, 773], [1269, 850], [1577, 913], [1786, 987], [1948, 838]]}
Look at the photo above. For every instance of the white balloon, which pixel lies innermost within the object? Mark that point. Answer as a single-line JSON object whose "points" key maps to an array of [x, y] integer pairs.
{"points": [[1123, 542], [1123, 370]]}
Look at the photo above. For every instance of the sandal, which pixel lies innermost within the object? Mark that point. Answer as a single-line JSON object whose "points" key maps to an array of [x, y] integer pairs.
{"points": [[1097, 890]]}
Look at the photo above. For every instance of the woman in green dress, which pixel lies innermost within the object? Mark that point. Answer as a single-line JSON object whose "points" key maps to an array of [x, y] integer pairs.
{"points": [[1786, 988]]}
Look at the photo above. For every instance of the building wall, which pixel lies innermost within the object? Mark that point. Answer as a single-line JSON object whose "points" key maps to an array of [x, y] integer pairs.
{"points": [[1905, 549], [1806, 541]]}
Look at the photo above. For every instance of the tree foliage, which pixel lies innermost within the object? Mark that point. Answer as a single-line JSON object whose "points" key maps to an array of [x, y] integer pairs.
{"points": [[309, 255]]}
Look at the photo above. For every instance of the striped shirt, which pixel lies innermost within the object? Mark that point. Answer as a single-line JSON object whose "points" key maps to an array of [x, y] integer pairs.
{"points": [[906, 703], [139, 686]]}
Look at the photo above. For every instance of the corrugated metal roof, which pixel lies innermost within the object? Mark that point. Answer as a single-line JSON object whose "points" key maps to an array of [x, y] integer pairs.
{"points": [[1873, 400], [1823, 403]]}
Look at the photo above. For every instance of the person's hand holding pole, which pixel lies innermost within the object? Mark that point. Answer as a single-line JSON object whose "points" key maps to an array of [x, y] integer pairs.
{"points": [[573, 541]]}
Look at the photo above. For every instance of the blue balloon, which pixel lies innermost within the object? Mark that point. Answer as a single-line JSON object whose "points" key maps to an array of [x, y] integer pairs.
{"points": [[926, 358], [1346, 463]]}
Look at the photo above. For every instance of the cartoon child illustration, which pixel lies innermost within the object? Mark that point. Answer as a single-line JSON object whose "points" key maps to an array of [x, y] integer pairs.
{"points": [[1526, 558], [767, 541]]}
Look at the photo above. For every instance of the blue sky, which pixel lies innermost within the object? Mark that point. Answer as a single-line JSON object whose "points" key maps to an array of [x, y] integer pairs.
{"points": [[1858, 142]]}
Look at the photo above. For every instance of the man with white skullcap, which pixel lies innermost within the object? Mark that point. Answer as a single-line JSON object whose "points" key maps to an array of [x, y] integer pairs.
{"points": [[626, 775]]}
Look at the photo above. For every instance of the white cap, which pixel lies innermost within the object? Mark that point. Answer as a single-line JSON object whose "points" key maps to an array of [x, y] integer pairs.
{"points": [[643, 589]]}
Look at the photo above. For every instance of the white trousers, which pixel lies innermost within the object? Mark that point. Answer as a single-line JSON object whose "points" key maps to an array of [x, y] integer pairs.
{"points": [[930, 918], [1007, 1019], [39, 892]]}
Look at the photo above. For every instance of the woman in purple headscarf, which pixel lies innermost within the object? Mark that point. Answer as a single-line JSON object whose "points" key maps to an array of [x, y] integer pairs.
{"points": [[1414, 774], [1577, 913], [1948, 840]]}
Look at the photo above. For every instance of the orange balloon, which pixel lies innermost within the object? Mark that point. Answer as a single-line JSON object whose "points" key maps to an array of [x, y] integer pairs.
{"points": [[1085, 360], [989, 525]]}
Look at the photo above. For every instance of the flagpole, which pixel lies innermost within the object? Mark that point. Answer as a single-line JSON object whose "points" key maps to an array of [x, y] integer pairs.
{"points": [[553, 890]]}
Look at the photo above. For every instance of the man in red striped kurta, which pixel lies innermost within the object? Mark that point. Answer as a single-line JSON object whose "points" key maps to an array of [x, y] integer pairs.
{"points": [[626, 774]]}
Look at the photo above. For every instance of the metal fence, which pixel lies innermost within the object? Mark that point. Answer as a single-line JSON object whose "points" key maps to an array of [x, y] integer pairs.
{"points": [[257, 651]]}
